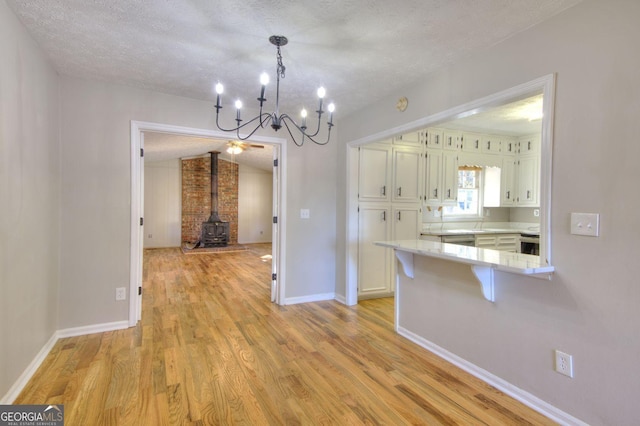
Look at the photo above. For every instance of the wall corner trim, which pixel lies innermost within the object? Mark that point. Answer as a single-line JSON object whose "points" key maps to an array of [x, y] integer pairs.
{"points": [[516, 393]]}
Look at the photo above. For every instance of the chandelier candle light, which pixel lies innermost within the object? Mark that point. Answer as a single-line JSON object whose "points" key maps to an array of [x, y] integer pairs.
{"points": [[277, 119]]}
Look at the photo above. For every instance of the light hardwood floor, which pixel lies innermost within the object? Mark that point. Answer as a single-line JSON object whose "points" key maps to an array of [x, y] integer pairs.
{"points": [[212, 350]]}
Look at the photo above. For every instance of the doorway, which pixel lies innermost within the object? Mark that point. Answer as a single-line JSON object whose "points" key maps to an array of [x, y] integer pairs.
{"points": [[138, 130]]}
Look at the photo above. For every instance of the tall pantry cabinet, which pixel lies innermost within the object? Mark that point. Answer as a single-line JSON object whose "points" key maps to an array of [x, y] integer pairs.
{"points": [[389, 198]]}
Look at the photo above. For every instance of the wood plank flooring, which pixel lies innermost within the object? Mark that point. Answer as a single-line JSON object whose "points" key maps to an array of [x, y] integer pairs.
{"points": [[212, 350]]}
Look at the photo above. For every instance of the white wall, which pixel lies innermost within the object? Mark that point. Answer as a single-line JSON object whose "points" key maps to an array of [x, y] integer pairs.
{"points": [[255, 205], [162, 204], [29, 200], [590, 308]]}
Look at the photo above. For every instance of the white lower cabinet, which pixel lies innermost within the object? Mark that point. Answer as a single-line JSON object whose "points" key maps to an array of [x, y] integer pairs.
{"points": [[376, 265], [504, 242], [406, 223], [374, 262]]}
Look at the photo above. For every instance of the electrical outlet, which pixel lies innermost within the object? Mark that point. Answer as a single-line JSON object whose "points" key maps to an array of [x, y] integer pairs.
{"points": [[536, 212], [150, 236], [121, 293], [564, 363], [305, 214]]}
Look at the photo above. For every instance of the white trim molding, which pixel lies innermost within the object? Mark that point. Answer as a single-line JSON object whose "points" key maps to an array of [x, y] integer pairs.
{"points": [[37, 361], [310, 298], [516, 393], [135, 272]]}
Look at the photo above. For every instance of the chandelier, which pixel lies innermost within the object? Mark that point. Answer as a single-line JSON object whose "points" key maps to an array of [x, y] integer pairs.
{"points": [[276, 119]]}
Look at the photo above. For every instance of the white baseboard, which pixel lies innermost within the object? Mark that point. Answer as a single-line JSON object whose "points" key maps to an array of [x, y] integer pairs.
{"points": [[311, 298], [340, 298], [91, 329], [26, 375], [525, 397], [33, 366]]}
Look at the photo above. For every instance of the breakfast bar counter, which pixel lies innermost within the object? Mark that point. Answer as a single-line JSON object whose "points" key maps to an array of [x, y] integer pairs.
{"points": [[483, 262]]}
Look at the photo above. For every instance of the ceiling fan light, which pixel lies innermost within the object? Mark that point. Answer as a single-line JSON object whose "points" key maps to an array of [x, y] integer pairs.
{"points": [[234, 150]]}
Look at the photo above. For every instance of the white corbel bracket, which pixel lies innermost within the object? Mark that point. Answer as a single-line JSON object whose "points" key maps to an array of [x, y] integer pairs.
{"points": [[406, 260], [484, 274]]}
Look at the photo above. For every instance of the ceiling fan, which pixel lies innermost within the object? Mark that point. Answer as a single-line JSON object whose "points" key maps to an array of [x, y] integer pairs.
{"points": [[237, 147]]}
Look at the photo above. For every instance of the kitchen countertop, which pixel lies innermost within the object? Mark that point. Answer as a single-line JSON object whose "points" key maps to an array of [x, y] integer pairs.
{"points": [[462, 231], [473, 228]]}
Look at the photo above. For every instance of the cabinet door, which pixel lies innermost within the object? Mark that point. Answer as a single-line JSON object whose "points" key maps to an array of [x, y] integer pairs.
{"points": [[490, 144], [407, 171], [508, 242], [530, 145], [486, 241], [374, 262], [434, 138], [528, 181], [471, 142], [410, 139], [508, 178], [451, 140], [433, 177], [373, 180], [509, 147], [449, 178], [406, 222]]}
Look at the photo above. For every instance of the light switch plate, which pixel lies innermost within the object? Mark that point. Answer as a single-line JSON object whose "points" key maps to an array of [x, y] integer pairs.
{"points": [[585, 224]]}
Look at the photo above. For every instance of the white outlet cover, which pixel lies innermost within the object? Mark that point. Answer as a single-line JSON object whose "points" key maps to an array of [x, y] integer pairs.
{"points": [[585, 224], [305, 214], [564, 363]]}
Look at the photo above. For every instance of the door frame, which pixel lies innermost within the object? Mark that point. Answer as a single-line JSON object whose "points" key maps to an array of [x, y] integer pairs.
{"points": [[137, 209]]}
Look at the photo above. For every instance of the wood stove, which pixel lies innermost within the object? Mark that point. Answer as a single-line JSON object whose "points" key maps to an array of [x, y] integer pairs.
{"points": [[215, 232]]}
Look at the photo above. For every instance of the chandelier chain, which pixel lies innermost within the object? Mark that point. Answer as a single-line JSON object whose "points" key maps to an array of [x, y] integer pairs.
{"points": [[281, 68]]}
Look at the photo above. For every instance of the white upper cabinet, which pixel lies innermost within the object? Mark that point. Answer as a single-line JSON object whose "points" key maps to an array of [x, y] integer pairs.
{"points": [[433, 177], [529, 181], [529, 145], [471, 142], [441, 177], [374, 173], [449, 178], [407, 175], [508, 191], [414, 139], [490, 144], [452, 140], [434, 138], [509, 146]]}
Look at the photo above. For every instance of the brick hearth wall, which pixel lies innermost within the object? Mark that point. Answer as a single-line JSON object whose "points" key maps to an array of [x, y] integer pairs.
{"points": [[196, 196]]}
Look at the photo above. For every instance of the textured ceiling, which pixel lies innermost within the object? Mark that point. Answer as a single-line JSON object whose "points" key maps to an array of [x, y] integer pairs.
{"points": [[184, 47], [360, 50]]}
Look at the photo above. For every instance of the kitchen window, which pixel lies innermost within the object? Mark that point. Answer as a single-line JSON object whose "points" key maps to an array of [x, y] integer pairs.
{"points": [[469, 203]]}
